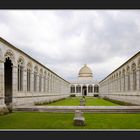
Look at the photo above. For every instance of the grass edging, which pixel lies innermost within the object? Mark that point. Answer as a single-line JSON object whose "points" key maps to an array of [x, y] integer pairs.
{"points": [[48, 102], [119, 102]]}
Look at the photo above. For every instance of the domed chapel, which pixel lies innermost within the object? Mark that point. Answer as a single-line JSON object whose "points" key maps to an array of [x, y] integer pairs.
{"points": [[84, 85]]}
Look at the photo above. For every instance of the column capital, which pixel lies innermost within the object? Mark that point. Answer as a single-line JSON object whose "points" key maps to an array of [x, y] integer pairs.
{"points": [[1, 61], [14, 66]]}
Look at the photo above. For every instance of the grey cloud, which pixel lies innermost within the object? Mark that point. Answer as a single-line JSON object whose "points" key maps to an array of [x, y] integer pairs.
{"points": [[69, 38]]}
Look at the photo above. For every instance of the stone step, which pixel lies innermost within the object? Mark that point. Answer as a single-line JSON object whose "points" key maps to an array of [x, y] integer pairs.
{"points": [[85, 109]]}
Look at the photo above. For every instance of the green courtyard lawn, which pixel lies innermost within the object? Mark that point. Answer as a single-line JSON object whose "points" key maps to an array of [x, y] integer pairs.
{"points": [[75, 101], [43, 120]]}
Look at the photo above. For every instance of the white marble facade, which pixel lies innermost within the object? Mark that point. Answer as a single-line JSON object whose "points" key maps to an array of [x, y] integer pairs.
{"points": [[23, 80], [85, 85], [123, 83]]}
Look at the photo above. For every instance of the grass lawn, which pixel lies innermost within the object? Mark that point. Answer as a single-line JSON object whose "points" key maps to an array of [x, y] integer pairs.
{"points": [[75, 101], [43, 120]]}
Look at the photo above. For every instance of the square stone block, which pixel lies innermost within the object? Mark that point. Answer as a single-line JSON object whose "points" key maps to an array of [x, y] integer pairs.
{"points": [[79, 120]]}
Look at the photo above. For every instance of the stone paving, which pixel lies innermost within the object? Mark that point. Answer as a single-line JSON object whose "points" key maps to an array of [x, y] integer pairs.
{"points": [[85, 109]]}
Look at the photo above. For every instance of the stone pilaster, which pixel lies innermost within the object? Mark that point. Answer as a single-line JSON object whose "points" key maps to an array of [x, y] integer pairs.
{"points": [[131, 82], [42, 83], [117, 85], [122, 84], [138, 80], [24, 80], [47, 84], [37, 83], [32, 82], [2, 83], [126, 83], [52, 85], [14, 80]]}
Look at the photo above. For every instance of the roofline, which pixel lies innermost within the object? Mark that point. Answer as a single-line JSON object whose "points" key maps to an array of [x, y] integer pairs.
{"points": [[122, 65], [15, 48]]}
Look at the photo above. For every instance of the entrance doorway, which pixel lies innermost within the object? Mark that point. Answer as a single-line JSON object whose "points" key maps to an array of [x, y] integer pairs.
{"points": [[8, 81], [84, 91]]}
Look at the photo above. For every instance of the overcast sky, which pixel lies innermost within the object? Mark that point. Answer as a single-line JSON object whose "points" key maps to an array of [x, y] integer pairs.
{"points": [[64, 40]]}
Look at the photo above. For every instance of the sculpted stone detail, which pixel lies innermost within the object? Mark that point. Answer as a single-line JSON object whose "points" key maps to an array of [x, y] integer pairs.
{"points": [[9, 54], [1, 55]]}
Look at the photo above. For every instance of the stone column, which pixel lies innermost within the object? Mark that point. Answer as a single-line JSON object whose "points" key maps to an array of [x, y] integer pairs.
{"points": [[116, 85], [24, 80], [107, 86], [2, 82], [32, 82], [131, 81], [126, 83], [110, 84], [81, 89], [14, 82], [42, 84], [122, 83], [60, 86], [54, 86], [37, 83], [50, 84], [113, 83], [47, 84], [138, 80]]}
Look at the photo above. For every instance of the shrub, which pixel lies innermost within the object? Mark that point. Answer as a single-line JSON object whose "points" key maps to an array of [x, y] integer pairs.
{"points": [[96, 95], [4, 110], [119, 102], [72, 95], [47, 102]]}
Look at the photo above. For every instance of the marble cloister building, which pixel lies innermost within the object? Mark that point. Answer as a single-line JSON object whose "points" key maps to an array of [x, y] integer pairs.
{"points": [[23, 80], [84, 85], [123, 83]]}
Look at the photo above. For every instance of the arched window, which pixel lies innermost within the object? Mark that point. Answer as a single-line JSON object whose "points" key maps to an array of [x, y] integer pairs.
{"points": [[90, 89], [116, 82], [96, 88], [45, 81], [78, 89], [29, 77], [20, 74], [133, 67], [128, 78], [120, 81], [123, 74], [35, 78], [40, 80], [48, 82], [51, 83], [72, 89]]}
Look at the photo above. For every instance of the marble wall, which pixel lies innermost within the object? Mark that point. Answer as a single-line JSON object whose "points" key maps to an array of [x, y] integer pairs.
{"points": [[25, 88], [123, 83]]}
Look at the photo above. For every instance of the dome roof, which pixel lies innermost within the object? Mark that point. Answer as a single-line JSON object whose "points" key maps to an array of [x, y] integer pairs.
{"points": [[85, 71]]}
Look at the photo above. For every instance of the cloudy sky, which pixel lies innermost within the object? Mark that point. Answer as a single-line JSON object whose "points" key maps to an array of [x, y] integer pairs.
{"points": [[64, 40]]}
